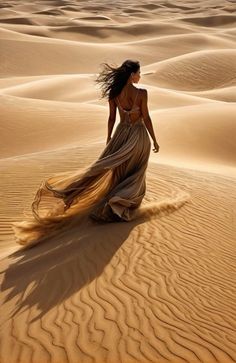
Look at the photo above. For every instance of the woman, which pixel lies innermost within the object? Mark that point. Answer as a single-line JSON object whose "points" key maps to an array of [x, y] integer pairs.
{"points": [[111, 188]]}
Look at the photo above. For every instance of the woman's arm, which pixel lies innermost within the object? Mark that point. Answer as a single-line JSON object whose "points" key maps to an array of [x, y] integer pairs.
{"points": [[147, 119], [111, 118], [145, 114], [110, 126]]}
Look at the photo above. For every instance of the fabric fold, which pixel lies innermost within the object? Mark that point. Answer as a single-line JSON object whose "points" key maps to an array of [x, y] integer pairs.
{"points": [[107, 190]]}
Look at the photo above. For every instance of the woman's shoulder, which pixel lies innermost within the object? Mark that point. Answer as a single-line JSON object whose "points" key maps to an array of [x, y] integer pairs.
{"points": [[142, 92]]}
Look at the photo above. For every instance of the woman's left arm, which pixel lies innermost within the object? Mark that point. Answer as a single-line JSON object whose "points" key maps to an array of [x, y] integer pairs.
{"points": [[111, 118]]}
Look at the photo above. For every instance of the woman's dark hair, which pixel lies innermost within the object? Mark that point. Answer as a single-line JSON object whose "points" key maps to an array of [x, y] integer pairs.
{"points": [[112, 79]]}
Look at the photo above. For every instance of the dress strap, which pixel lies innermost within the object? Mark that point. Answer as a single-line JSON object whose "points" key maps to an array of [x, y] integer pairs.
{"points": [[135, 99]]}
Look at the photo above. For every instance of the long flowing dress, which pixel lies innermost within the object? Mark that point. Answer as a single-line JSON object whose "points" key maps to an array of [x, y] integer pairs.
{"points": [[108, 190]]}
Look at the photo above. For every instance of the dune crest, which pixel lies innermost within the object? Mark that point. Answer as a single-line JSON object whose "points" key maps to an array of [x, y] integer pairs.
{"points": [[197, 71]]}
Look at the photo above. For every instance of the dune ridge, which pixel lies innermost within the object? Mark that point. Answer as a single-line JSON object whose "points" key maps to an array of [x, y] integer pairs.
{"points": [[197, 71]]}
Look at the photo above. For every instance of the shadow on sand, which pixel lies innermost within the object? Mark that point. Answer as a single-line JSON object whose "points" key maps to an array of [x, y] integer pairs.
{"points": [[50, 272]]}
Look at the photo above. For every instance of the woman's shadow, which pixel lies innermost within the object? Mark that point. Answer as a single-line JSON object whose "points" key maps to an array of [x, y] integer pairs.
{"points": [[50, 272]]}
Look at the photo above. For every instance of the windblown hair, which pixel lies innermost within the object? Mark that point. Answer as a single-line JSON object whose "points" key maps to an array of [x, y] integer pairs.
{"points": [[112, 79]]}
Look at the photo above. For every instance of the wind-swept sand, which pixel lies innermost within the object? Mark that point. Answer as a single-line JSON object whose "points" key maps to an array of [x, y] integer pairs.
{"points": [[160, 288]]}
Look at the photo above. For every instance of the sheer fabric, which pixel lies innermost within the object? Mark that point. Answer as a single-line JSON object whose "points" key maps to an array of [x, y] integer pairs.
{"points": [[110, 189]]}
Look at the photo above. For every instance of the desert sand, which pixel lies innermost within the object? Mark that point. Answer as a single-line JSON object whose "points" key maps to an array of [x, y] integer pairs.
{"points": [[161, 288]]}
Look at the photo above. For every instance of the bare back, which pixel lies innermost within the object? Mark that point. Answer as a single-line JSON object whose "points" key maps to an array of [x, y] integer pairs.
{"points": [[130, 107]]}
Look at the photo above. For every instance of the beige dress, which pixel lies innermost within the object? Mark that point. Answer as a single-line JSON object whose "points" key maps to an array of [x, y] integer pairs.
{"points": [[108, 190], [127, 154]]}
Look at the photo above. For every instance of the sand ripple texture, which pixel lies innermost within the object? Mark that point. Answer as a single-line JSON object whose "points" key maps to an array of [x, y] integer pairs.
{"points": [[161, 288]]}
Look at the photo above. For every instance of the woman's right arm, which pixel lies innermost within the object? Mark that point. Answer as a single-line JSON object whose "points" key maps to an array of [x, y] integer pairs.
{"points": [[147, 119]]}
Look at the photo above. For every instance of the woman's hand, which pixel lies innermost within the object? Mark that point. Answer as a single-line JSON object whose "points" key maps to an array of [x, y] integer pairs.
{"points": [[156, 146]]}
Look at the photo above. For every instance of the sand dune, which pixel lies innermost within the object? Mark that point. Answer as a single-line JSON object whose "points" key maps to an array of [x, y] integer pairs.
{"points": [[204, 132], [49, 12], [65, 88], [55, 88], [18, 20], [202, 70], [78, 28], [212, 21], [172, 290], [162, 287], [54, 125], [226, 94]]}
